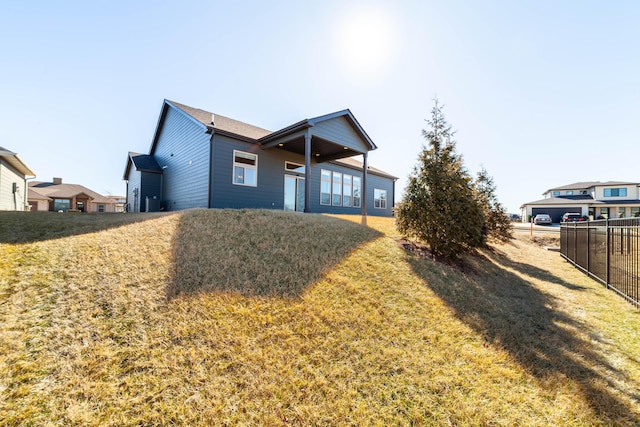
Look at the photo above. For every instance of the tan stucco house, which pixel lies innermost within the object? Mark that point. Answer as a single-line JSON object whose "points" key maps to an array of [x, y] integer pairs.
{"points": [[56, 196]]}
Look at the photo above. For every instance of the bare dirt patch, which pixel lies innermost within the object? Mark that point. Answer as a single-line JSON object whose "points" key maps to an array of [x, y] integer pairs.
{"points": [[545, 240]]}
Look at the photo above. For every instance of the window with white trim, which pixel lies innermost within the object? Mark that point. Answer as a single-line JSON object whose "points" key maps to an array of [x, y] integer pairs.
{"points": [[340, 189], [379, 198], [615, 192], [293, 167], [356, 191], [325, 187], [336, 189], [346, 190], [245, 168]]}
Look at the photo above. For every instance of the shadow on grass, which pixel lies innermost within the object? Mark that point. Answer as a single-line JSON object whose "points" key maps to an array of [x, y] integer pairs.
{"points": [[259, 252], [533, 271], [514, 315], [29, 227]]}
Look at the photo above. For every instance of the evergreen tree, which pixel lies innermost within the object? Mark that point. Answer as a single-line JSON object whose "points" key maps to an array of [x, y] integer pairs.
{"points": [[496, 222], [439, 205]]}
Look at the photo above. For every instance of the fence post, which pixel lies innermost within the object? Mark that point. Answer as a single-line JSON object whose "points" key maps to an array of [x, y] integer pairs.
{"points": [[608, 247], [588, 247], [575, 243]]}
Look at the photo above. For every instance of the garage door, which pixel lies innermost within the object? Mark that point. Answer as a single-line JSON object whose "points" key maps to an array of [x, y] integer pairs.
{"points": [[556, 213]]}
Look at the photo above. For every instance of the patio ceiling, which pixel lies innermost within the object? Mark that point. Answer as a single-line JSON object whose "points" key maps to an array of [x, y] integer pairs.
{"points": [[322, 150]]}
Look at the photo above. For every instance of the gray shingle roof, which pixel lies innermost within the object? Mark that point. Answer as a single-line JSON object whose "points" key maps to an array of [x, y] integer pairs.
{"points": [[351, 162], [216, 121], [589, 184], [222, 123], [559, 201]]}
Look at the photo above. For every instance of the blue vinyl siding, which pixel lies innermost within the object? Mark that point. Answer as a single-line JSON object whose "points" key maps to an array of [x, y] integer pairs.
{"points": [[382, 183], [183, 147], [339, 129], [198, 169], [269, 193], [373, 181], [148, 185], [133, 184]]}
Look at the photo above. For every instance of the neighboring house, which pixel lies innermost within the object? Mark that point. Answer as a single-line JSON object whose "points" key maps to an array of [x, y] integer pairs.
{"points": [[13, 181], [201, 159], [38, 201], [611, 199], [56, 196], [120, 202]]}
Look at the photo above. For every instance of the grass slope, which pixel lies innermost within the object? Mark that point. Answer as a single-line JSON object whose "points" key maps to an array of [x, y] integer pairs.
{"points": [[253, 317]]}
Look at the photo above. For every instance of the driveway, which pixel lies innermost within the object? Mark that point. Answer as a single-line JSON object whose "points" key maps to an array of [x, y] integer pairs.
{"points": [[525, 227]]}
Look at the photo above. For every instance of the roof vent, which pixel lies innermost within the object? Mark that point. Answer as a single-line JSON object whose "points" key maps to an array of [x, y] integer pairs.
{"points": [[57, 181], [213, 119]]}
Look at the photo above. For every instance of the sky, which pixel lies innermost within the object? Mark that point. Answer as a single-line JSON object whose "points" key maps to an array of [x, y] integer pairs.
{"points": [[540, 93]]}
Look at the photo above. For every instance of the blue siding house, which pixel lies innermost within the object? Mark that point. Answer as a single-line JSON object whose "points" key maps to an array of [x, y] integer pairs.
{"points": [[201, 159]]}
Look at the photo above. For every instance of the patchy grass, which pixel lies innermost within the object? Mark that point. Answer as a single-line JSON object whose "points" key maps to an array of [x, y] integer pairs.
{"points": [[24, 227], [257, 252], [150, 323]]}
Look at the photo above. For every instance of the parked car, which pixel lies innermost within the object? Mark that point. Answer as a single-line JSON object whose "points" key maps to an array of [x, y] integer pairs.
{"points": [[541, 219], [572, 217]]}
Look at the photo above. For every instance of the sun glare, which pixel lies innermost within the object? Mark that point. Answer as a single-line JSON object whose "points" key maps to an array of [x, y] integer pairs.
{"points": [[365, 42]]}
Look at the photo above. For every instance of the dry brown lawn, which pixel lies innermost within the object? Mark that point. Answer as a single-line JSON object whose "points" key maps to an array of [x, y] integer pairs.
{"points": [[209, 317]]}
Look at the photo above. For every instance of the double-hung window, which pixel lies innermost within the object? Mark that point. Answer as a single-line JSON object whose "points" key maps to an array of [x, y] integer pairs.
{"points": [[340, 189], [379, 198], [356, 192], [245, 168], [325, 187], [346, 190], [337, 189]]}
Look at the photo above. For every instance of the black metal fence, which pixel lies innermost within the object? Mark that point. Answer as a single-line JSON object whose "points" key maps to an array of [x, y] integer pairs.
{"points": [[607, 250]]}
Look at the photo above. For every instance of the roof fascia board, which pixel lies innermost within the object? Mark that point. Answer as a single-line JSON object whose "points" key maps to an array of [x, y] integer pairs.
{"points": [[127, 168], [18, 165], [232, 135], [163, 113], [301, 125], [284, 139], [187, 115], [359, 169], [352, 119]]}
